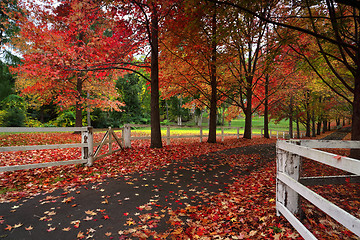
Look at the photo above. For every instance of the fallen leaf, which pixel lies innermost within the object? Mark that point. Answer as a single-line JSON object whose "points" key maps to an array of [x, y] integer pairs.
{"points": [[18, 225], [80, 235], [8, 227], [29, 228]]}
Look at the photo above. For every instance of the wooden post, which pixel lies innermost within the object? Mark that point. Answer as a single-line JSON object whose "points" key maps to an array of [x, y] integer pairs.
{"points": [[127, 136], [277, 134], [87, 152], [238, 133], [262, 134], [222, 134], [283, 135], [270, 133], [110, 143], [168, 135], [288, 164], [201, 134]]}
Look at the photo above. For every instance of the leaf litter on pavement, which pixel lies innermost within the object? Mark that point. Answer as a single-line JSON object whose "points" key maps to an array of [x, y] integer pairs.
{"points": [[188, 190]]}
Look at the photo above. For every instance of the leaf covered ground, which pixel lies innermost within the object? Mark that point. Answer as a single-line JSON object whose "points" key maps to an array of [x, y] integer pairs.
{"points": [[188, 190]]}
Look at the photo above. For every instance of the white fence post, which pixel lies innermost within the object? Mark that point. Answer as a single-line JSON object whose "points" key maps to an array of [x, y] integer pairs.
{"points": [[87, 152], [277, 134], [127, 136], [201, 134], [222, 134], [168, 135], [288, 164], [238, 133], [270, 133]]}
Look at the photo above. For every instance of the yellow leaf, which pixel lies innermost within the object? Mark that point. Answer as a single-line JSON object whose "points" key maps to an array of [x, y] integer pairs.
{"points": [[80, 235], [29, 228], [18, 225], [90, 212]]}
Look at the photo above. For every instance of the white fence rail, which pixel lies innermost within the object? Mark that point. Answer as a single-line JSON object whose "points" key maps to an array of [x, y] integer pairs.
{"points": [[85, 145], [289, 185]]}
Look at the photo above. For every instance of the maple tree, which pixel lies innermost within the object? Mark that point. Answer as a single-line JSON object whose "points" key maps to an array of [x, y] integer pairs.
{"points": [[334, 26], [58, 43], [249, 62], [191, 57], [148, 17]]}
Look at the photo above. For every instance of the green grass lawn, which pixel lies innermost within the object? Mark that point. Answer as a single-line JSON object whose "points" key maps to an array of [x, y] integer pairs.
{"points": [[257, 123]]}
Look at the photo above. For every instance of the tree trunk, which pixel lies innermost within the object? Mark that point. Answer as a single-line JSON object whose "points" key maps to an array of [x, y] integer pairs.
{"points": [[308, 118], [329, 125], [200, 119], [223, 117], [213, 83], [248, 113], [298, 127], [155, 109], [180, 117], [248, 121], [355, 128], [266, 108], [167, 109], [78, 106], [88, 109], [318, 130], [313, 125], [291, 113], [308, 127], [324, 126]]}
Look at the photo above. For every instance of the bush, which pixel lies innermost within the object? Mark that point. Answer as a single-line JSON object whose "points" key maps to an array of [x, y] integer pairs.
{"points": [[14, 111], [65, 119], [30, 122], [2, 116], [14, 117]]}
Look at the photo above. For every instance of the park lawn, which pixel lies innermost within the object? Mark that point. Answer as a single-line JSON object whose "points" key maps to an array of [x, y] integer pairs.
{"points": [[258, 124]]}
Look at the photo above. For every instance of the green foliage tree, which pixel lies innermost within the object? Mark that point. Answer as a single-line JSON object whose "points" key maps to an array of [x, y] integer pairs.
{"points": [[14, 111], [130, 89], [8, 28]]}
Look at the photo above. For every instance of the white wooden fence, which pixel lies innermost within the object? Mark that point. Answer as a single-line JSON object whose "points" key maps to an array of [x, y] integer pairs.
{"points": [[289, 185], [88, 155]]}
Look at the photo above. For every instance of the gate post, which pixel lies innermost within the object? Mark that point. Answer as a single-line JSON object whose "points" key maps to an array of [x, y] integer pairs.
{"points": [[222, 134], [289, 164], [87, 152], [201, 134], [168, 135], [127, 135]]}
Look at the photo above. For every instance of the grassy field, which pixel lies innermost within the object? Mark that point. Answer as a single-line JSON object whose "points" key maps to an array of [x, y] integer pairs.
{"points": [[257, 123]]}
